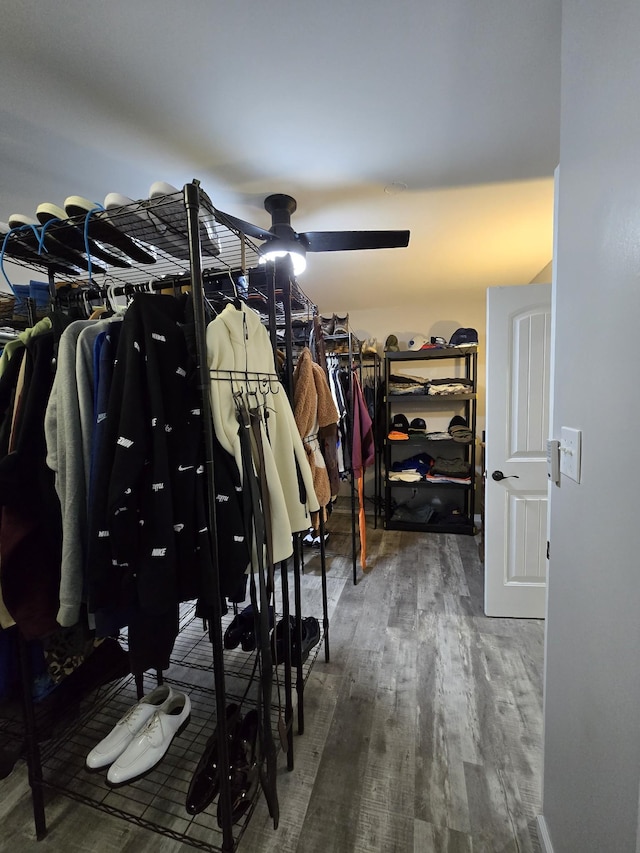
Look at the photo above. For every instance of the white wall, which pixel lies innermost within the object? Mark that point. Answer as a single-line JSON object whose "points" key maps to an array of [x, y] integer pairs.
{"points": [[592, 701], [438, 312]]}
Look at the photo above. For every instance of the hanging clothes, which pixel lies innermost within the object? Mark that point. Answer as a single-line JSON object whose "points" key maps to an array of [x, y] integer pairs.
{"points": [[30, 529], [149, 545], [237, 344], [146, 475], [69, 419], [314, 410], [340, 400]]}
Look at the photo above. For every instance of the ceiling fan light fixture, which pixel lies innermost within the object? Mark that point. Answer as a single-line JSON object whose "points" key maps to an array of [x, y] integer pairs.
{"points": [[298, 258]]}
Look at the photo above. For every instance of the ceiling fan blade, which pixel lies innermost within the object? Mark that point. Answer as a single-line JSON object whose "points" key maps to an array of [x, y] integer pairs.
{"points": [[243, 227], [345, 241]]}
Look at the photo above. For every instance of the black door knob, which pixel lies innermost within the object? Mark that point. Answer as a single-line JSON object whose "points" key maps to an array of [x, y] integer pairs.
{"points": [[498, 475]]}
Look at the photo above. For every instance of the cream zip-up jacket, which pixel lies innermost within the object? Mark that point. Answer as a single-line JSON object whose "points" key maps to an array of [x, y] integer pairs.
{"points": [[238, 342]]}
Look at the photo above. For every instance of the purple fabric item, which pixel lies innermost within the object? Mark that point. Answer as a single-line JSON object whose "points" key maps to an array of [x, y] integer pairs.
{"points": [[363, 451]]}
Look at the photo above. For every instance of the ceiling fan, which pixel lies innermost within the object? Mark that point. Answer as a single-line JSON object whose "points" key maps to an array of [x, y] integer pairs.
{"points": [[281, 239]]}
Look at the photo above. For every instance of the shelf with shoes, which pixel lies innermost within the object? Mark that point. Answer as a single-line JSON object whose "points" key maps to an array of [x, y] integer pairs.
{"points": [[429, 445], [158, 799], [177, 240]]}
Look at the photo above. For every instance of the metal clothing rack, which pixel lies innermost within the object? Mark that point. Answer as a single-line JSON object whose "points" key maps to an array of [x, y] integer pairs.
{"points": [[372, 362], [283, 293], [235, 253], [349, 348]]}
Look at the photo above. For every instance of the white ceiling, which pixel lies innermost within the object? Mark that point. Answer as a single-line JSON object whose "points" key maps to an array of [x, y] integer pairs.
{"points": [[330, 102]]}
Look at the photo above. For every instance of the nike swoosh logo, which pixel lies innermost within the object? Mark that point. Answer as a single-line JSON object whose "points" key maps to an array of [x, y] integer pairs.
{"points": [[185, 467]]}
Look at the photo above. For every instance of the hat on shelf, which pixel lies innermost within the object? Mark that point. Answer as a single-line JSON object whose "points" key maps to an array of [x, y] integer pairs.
{"points": [[418, 342], [391, 344], [399, 430], [370, 346], [459, 430], [418, 425], [463, 337]]}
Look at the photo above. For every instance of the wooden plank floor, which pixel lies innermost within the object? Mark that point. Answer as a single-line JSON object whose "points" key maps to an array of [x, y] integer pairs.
{"points": [[422, 734]]}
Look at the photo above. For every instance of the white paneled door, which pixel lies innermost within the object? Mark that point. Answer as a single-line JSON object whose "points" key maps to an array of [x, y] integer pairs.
{"points": [[517, 428]]}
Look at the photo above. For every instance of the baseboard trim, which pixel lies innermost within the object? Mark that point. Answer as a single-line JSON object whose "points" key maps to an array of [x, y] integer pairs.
{"points": [[543, 835]]}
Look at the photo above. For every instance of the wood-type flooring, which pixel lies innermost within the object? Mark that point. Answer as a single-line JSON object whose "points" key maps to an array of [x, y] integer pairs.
{"points": [[422, 734]]}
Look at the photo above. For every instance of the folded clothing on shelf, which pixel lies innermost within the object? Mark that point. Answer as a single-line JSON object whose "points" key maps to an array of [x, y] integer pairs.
{"points": [[401, 384], [439, 436], [451, 467], [448, 478], [452, 385], [459, 430], [405, 476], [419, 464]]}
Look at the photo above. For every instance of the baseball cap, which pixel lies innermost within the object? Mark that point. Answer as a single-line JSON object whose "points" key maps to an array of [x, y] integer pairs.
{"points": [[391, 344], [459, 430], [399, 429], [418, 425], [417, 342], [463, 337]]}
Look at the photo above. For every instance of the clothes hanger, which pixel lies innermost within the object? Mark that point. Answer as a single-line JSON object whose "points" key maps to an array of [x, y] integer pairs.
{"points": [[117, 308], [235, 301]]}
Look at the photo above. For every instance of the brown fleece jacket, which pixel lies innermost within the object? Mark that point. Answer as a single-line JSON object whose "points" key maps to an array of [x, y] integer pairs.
{"points": [[313, 409]]}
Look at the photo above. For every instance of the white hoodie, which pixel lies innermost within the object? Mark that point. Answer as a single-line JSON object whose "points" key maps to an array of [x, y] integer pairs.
{"points": [[238, 342]]}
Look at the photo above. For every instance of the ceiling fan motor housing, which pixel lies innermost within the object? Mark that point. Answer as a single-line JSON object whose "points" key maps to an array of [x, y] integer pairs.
{"points": [[281, 207]]}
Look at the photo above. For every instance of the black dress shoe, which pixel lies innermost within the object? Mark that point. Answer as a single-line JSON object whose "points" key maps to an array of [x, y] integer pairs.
{"points": [[244, 772], [205, 783], [310, 638], [310, 635], [277, 640], [239, 625], [248, 640]]}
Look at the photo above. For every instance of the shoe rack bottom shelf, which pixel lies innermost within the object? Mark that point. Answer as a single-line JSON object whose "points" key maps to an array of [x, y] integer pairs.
{"points": [[464, 527], [156, 801]]}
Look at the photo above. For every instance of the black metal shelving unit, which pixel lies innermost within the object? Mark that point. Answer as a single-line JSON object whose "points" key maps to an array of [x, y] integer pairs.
{"points": [[212, 677], [346, 346], [462, 362]]}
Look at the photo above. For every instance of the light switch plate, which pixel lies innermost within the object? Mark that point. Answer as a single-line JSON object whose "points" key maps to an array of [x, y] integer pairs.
{"points": [[553, 461], [570, 453]]}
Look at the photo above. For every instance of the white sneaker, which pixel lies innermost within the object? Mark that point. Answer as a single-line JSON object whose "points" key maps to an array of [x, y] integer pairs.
{"points": [[150, 745], [138, 221], [124, 731], [167, 204], [102, 229], [73, 238]]}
